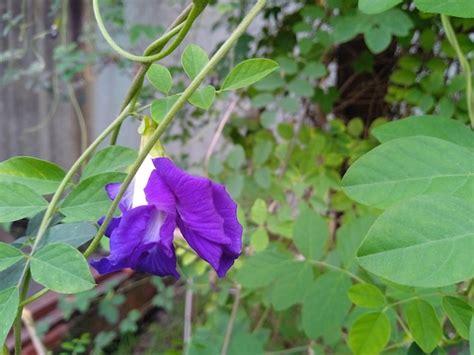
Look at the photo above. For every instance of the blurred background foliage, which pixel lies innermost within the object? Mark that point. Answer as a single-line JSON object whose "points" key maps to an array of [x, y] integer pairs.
{"points": [[284, 145]]}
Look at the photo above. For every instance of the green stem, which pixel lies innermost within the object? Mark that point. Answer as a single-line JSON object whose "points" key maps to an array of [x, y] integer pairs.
{"points": [[18, 322], [448, 29], [170, 116], [180, 26], [230, 325], [194, 13], [339, 269], [51, 210], [298, 349]]}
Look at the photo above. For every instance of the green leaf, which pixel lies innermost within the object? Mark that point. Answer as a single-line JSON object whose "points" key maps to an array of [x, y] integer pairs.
{"points": [[159, 108], [287, 65], [262, 151], [423, 324], [89, 201], [423, 242], [73, 234], [61, 268], [431, 126], [377, 6], [10, 277], [471, 336], [160, 77], [9, 301], [18, 201], [248, 72], [369, 334], [236, 157], [310, 234], [407, 167], [290, 104], [39, 175], [314, 70], [193, 59], [235, 184], [366, 295], [458, 8], [263, 177], [259, 211], [459, 313], [259, 240], [9, 255], [349, 237], [326, 304], [291, 285], [263, 268], [115, 158], [301, 87], [377, 38], [203, 97]]}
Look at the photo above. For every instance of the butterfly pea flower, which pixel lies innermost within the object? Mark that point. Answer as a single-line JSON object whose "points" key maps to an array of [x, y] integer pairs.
{"points": [[161, 198]]}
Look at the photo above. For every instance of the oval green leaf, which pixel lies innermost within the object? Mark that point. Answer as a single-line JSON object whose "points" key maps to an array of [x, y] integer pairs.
{"points": [[377, 6], [73, 234], [248, 72], [291, 285], [426, 241], [369, 334], [9, 255], [203, 97], [19, 201], [9, 301], [423, 324], [115, 158], [432, 126], [160, 77], [459, 313], [89, 201], [326, 304], [39, 175], [159, 108], [410, 166], [366, 295], [193, 60], [61, 268], [310, 234], [458, 8]]}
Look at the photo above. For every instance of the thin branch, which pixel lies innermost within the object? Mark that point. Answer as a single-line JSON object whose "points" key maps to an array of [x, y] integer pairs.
{"points": [[29, 323], [220, 128], [230, 325], [188, 313]]}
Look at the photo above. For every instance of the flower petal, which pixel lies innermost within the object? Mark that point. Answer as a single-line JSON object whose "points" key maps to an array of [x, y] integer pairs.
{"points": [[194, 201], [143, 242], [114, 223], [112, 190], [227, 209]]}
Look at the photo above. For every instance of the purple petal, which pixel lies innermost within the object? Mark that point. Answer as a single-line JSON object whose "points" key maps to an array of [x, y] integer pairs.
{"points": [[112, 190], [207, 216], [194, 201], [158, 262], [114, 223], [143, 242]]}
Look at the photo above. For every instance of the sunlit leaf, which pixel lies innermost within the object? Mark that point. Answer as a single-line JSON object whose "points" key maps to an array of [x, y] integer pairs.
{"points": [[19, 201], [426, 241], [423, 324], [193, 60], [248, 72], [160, 77], [39, 175]]}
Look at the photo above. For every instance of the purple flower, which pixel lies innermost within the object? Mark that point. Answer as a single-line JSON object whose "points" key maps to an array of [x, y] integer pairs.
{"points": [[161, 198]]}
